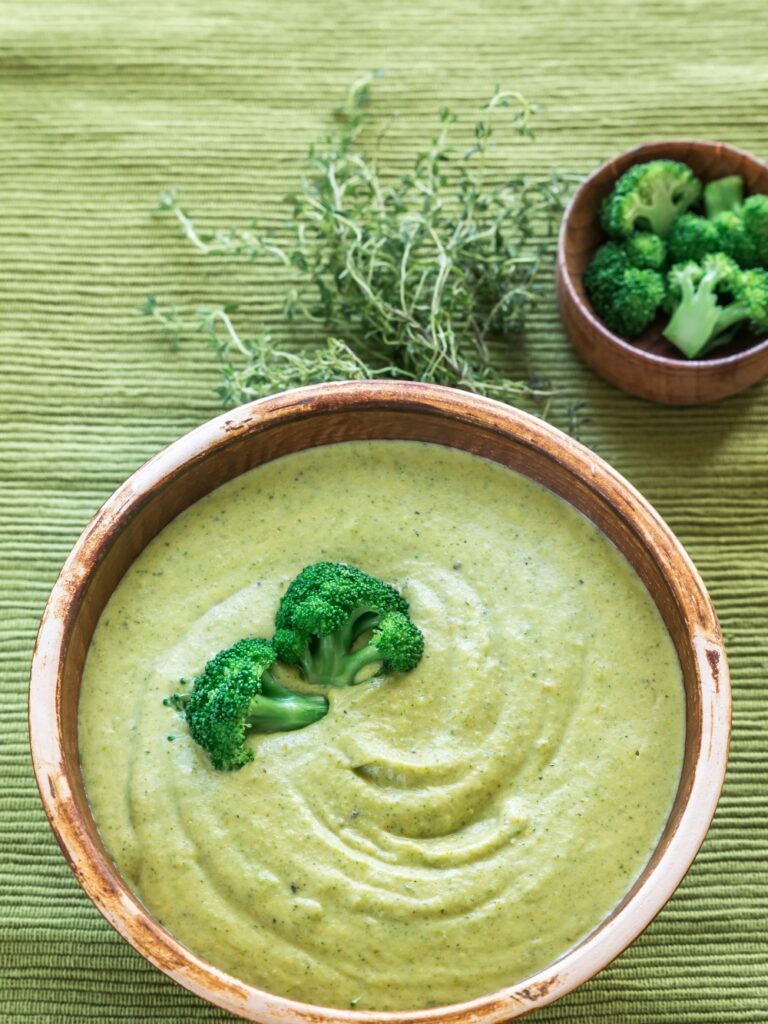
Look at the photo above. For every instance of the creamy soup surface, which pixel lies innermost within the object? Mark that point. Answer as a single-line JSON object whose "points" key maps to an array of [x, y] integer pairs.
{"points": [[439, 834]]}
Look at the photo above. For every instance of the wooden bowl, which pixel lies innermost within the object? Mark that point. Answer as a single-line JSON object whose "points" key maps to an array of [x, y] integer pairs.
{"points": [[650, 366], [328, 413]]}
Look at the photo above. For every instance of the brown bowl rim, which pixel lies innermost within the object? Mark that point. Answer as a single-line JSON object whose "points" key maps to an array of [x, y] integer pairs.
{"points": [[641, 152], [101, 880]]}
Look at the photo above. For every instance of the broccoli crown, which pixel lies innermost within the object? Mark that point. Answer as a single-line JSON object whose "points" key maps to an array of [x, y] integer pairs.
{"points": [[754, 216], [646, 250], [625, 297], [328, 608], [605, 271], [236, 693], [723, 194], [751, 291], [649, 197], [704, 304], [692, 238], [735, 240], [398, 642]]}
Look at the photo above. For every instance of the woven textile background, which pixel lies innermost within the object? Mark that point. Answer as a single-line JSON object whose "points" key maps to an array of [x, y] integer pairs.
{"points": [[104, 103]]}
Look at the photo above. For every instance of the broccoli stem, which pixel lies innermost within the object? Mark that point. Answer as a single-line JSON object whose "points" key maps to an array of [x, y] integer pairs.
{"points": [[659, 216], [323, 659], [356, 661], [693, 330], [699, 318], [272, 687], [328, 662], [270, 714], [360, 621]]}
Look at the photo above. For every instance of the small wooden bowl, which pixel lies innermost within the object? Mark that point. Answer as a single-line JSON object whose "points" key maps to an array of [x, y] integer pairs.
{"points": [[649, 366], [325, 414]]}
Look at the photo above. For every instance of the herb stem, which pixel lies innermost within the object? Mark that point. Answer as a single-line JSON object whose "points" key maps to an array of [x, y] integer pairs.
{"points": [[407, 277]]}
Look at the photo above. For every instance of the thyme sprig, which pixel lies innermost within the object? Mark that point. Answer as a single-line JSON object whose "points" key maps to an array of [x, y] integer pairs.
{"points": [[408, 277]]}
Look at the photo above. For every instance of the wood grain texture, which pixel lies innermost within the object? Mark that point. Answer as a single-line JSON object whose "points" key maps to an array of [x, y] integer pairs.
{"points": [[649, 366], [326, 414]]}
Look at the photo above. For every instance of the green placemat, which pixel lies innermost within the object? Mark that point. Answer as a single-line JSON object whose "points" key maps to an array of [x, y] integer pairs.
{"points": [[104, 103]]}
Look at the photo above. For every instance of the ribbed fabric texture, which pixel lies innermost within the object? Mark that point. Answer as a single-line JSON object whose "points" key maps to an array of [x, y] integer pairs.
{"points": [[102, 104]]}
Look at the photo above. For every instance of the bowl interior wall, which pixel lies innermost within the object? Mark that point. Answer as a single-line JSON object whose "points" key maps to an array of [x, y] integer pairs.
{"points": [[127, 534]]}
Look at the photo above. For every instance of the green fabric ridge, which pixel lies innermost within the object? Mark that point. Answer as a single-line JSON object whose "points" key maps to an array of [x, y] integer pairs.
{"points": [[105, 104]]}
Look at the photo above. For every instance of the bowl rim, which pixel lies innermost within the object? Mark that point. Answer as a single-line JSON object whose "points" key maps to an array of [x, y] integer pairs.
{"points": [[124, 911], [640, 152]]}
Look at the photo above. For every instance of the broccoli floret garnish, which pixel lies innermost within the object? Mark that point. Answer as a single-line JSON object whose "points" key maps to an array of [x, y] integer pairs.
{"points": [[326, 611], [235, 694], [710, 298], [646, 251], [723, 195], [624, 296], [649, 197]]}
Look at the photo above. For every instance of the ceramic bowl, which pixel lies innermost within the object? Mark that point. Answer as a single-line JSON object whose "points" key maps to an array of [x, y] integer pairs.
{"points": [[325, 414], [650, 366]]}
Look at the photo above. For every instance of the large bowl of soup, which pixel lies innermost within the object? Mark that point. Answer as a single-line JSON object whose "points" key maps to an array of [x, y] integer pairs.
{"points": [[464, 842]]}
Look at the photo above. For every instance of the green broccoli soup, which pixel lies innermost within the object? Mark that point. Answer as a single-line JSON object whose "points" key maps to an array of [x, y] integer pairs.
{"points": [[440, 833]]}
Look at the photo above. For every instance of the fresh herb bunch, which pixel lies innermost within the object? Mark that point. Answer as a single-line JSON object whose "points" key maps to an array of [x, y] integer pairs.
{"points": [[410, 278]]}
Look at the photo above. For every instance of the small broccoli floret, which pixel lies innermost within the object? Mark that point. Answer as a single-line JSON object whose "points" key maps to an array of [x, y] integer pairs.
{"points": [[692, 238], [649, 197], [235, 694], [646, 251], [636, 304], [754, 216], [625, 297], [704, 303], [734, 239], [750, 292], [723, 195], [605, 272], [325, 614]]}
